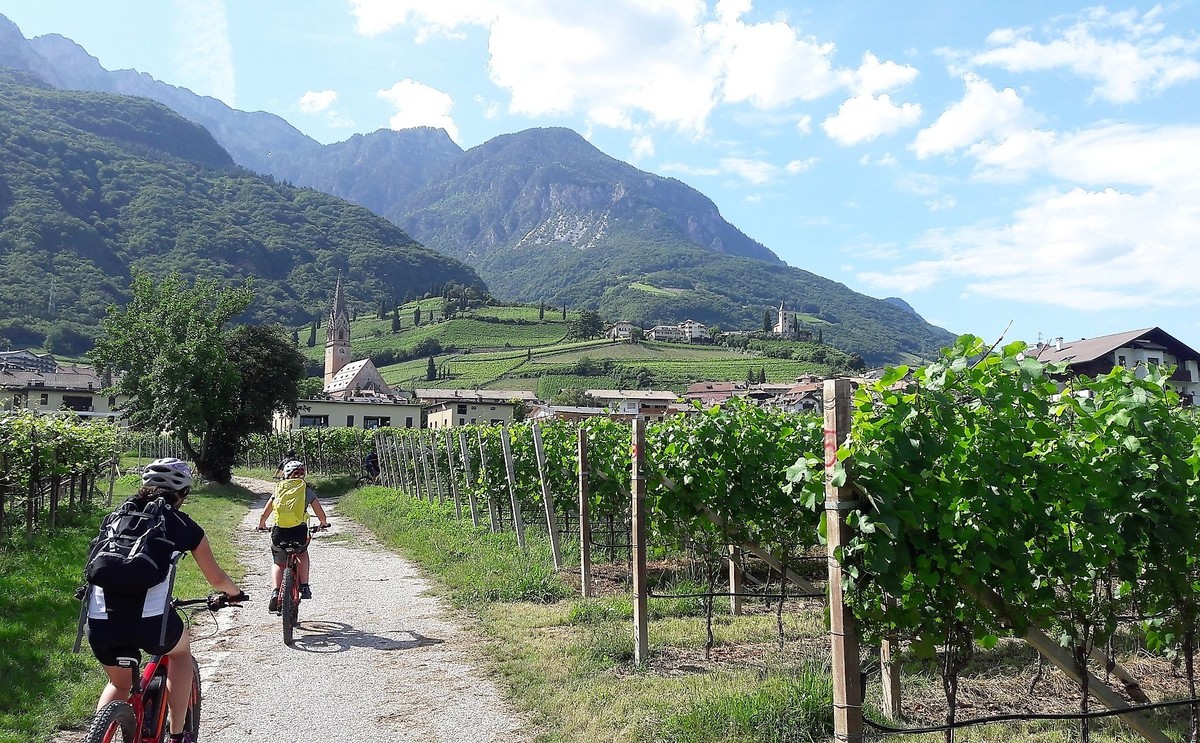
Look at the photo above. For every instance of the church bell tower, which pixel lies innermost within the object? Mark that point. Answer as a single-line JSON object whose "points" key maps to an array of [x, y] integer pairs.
{"points": [[337, 335]]}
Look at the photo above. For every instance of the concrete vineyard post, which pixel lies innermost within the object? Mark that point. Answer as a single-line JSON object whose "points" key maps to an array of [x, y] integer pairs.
{"points": [[452, 477], [585, 523], [495, 517], [641, 618]]}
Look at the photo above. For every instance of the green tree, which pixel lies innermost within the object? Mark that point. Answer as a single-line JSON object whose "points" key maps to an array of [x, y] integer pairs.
{"points": [[541, 311], [312, 334], [574, 397], [589, 325], [396, 322], [295, 337], [417, 316], [564, 311], [310, 387], [189, 375], [768, 325], [430, 371]]}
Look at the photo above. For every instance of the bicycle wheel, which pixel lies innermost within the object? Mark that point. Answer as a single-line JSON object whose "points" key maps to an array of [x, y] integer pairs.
{"points": [[191, 724], [288, 597], [115, 723]]}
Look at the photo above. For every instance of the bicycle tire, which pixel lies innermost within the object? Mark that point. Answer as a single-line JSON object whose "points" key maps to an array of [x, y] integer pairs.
{"points": [[288, 598], [115, 722], [191, 723]]}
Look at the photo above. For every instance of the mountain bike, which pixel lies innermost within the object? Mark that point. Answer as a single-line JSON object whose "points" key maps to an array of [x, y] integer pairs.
{"points": [[289, 586], [143, 718]]}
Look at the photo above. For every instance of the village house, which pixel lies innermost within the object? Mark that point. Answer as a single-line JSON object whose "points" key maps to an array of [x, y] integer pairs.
{"points": [[575, 413], [669, 333], [66, 388], [26, 359], [649, 405], [708, 394], [1132, 349], [445, 408], [694, 332], [620, 331]]}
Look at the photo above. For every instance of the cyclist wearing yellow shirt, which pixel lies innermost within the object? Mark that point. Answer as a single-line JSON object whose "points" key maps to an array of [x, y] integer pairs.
{"points": [[287, 510]]}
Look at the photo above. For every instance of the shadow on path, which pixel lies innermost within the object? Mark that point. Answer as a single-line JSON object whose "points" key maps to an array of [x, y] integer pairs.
{"points": [[338, 637]]}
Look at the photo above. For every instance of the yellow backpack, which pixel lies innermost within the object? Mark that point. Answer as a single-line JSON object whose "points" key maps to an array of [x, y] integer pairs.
{"points": [[291, 508]]}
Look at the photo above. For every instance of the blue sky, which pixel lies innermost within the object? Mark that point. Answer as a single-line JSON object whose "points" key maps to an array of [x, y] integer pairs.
{"points": [[1021, 162]]}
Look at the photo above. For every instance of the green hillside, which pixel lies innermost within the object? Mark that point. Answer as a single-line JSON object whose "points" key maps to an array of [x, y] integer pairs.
{"points": [[510, 348], [95, 186]]}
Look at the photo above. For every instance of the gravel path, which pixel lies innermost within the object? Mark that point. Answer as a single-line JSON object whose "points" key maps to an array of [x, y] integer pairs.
{"points": [[376, 657]]}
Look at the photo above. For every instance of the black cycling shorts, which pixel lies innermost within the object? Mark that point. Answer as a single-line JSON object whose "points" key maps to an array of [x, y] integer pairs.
{"points": [[117, 638], [297, 534]]}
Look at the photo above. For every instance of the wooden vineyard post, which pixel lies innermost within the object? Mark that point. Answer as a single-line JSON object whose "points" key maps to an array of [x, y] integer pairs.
{"points": [[419, 445], [843, 631], [452, 477], [466, 457], [585, 522], [540, 452], [641, 592], [889, 675], [390, 451], [495, 517], [410, 467], [437, 470], [112, 479], [518, 523], [735, 581]]}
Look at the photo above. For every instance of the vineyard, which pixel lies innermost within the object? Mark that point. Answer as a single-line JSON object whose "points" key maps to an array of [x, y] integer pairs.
{"points": [[48, 465], [972, 502], [935, 516]]}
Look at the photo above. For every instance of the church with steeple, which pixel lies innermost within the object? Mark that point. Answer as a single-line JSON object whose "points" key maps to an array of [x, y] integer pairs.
{"points": [[344, 378]]}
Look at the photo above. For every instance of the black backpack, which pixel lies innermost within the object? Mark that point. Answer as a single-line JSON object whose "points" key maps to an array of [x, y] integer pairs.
{"points": [[132, 553]]}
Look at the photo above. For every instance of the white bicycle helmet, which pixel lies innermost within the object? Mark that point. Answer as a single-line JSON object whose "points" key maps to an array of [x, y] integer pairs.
{"points": [[169, 473], [292, 467]]}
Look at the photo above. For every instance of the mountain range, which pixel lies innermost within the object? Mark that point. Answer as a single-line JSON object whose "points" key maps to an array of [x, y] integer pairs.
{"points": [[541, 215]]}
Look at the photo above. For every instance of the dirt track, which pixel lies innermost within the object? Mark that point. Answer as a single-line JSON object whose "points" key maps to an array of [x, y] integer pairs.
{"points": [[376, 658]]}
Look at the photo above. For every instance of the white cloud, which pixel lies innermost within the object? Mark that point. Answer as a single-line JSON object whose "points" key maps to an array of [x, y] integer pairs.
{"points": [[865, 117], [316, 101], [642, 146], [801, 166], [983, 115], [418, 104], [804, 125], [1124, 53], [874, 76], [204, 56], [631, 63], [1121, 235], [757, 172]]}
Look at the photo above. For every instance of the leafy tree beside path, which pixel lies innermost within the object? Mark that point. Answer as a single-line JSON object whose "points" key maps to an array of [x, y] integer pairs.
{"points": [[188, 374]]}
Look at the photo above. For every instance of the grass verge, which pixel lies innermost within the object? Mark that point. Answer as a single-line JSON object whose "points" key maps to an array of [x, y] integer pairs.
{"points": [[47, 686], [568, 662]]}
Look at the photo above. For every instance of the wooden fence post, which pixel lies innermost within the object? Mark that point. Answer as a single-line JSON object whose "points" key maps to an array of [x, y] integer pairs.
{"points": [[540, 452], [843, 631], [641, 593], [509, 470], [467, 478], [585, 521], [437, 469], [483, 478], [735, 581], [452, 477]]}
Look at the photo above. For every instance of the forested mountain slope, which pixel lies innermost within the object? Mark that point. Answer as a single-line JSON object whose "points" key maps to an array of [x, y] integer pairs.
{"points": [[95, 186]]}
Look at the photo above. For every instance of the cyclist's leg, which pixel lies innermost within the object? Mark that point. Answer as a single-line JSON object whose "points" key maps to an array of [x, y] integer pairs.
{"points": [[179, 678], [119, 682], [108, 642], [302, 571]]}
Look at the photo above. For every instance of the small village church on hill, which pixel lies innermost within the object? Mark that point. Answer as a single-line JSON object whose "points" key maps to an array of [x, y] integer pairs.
{"points": [[343, 378]]}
